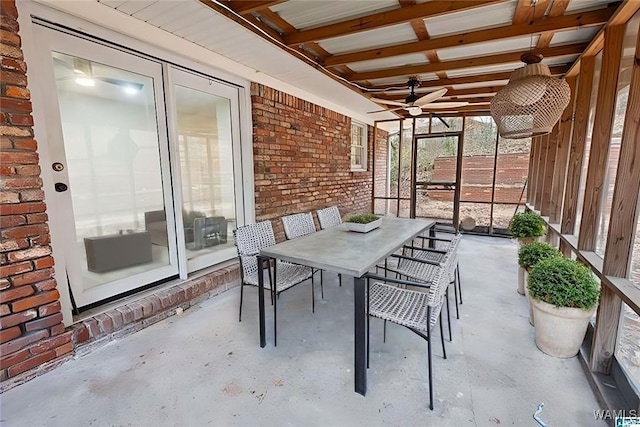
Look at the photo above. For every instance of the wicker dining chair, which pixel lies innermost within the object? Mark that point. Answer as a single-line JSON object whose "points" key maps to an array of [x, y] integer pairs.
{"points": [[417, 310], [299, 225], [330, 217], [249, 240]]}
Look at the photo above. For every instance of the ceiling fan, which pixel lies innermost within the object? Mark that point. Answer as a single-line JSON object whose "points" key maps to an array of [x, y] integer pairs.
{"points": [[414, 104]]}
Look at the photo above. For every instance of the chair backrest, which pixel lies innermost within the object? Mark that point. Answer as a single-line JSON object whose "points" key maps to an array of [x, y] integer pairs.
{"points": [[439, 285], [329, 217], [250, 239], [298, 225]]}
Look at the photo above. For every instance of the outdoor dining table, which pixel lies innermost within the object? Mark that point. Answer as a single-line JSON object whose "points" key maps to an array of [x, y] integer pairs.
{"points": [[349, 253]]}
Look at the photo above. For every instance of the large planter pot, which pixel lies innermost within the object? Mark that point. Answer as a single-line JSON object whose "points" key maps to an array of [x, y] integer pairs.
{"points": [[560, 331], [363, 228], [525, 240], [521, 283], [526, 293]]}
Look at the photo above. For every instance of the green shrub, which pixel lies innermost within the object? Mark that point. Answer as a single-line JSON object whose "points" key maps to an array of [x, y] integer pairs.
{"points": [[564, 283], [526, 224], [532, 253], [361, 218]]}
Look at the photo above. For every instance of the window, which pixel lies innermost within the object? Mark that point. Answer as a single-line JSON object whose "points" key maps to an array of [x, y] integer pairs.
{"points": [[358, 146]]}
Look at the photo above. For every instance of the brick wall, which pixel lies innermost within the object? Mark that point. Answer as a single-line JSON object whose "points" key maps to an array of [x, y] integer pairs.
{"points": [[477, 177], [302, 158], [31, 329]]}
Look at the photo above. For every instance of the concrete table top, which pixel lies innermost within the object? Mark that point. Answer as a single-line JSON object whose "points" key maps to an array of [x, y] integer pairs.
{"points": [[347, 252]]}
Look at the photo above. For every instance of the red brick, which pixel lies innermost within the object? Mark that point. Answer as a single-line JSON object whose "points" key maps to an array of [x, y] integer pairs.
{"points": [[25, 231], [16, 104], [4, 309], [13, 245], [4, 284], [12, 269], [37, 218], [21, 93], [18, 158], [32, 195], [12, 221], [156, 305], [105, 323], [31, 253], [17, 318], [92, 327], [31, 363], [127, 314], [13, 358], [21, 119], [35, 301], [50, 343], [9, 197], [21, 183], [12, 64], [81, 334], [43, 323], [7, 170], [9, 9], [28, 170], [45, 285], [48, 309], [22, 342], [32, 277], [116, 318], [41, 240], [11, 24], [147, 307], [12, 78], [22, 208], [57, 329], [28, 144], [15, 293], [64, 349], [43, 262], [9, 334], [137, 310]]}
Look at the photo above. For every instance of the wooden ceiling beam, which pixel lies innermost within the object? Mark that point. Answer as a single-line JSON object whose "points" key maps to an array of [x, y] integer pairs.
{"points": [[557, 9], [479, 61], [565, 22], [384, 19], [489, 77], [246, 7], [623, 13], [527, 12]]}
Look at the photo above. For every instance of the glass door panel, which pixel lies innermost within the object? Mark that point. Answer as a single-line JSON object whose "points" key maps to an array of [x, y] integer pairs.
{"points": [[435, 177], [207, 135], [110, 169]]}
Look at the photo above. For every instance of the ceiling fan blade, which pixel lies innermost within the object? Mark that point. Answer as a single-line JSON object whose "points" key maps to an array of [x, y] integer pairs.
{"points": [[386, 101], [430, 97], [389, 109], [443, 105]]}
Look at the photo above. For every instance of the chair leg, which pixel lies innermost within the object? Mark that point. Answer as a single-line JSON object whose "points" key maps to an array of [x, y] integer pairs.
{"points": [[313, 294], [368, 323], [384, 332], [275, 310], [455, 295], [429, 368], [271, 287], [340, 278], [446, 296], [240, 314], [321, 286], [459, 284], [444, 352]]}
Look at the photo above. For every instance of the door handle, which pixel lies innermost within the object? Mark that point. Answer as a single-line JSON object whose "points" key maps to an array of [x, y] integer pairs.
{"points": [[61, 187]]}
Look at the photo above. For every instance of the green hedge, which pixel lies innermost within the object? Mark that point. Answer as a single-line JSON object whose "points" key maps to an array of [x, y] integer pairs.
{"points": [[527, 224], [532, 253]]}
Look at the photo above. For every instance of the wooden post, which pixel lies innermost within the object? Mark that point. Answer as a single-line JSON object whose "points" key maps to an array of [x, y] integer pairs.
{"points": [[542, 161], [576, 152], [621, 228], [601, 136], [532, 154], [533, 166], [562, 156], [549, 167]]}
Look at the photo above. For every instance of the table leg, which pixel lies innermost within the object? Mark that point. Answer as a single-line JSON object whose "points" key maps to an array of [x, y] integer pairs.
{"points": [[360, 330], [263, 338]]}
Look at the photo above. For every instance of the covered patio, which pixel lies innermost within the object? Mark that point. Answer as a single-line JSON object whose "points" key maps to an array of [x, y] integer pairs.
{"points": [[494, 375]]}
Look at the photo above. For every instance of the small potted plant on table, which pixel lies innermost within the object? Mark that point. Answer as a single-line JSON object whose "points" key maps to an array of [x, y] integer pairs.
{"points": [[564, 295], [529, 255], [526, 227], [362, 222]]}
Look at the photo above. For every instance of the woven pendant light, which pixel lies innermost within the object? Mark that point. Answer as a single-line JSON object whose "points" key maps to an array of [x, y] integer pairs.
{"points": [[532, 102]]}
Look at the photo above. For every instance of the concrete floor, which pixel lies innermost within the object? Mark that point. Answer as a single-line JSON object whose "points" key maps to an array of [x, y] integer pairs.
{"points": [[204, 368]]}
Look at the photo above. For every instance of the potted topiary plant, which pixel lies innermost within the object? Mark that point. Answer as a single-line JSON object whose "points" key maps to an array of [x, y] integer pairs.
{"points": [[362, 222], [528, 256], [525, 227], [564, 295]]}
